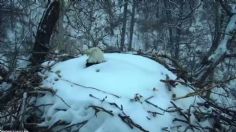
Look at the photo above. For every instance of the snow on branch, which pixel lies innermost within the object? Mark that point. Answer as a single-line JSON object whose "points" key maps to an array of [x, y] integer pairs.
{"points": [[222, 48]]}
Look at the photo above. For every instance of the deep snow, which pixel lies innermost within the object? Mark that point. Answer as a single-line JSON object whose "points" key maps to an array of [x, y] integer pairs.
{"points": [[125, 85]]}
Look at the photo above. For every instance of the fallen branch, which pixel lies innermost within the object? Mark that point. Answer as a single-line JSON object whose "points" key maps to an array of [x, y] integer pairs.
{"points": [[98, 109], [82, 86], [80, 124], [131, 123], [154, 105]]}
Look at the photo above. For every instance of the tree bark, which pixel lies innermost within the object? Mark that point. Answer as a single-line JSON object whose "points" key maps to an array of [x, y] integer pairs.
{"points": [[219, 17], [132, 22], [45, 29], [111, 19], [168, 18], [58, 38], [178, 33], [122, 43]]}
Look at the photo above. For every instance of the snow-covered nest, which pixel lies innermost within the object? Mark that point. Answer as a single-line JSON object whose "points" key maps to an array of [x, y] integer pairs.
{"points": [[123, 94]]}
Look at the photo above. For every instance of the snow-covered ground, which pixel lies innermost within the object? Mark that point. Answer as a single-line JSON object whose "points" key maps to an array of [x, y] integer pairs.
{"points": [[123, 94]]}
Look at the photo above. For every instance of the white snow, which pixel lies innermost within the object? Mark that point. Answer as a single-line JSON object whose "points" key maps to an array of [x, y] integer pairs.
{"points": [[125, 85], [233, 7]]}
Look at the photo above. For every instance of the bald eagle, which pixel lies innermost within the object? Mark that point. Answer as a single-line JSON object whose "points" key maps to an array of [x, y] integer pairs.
{"points": [[95, 56]]}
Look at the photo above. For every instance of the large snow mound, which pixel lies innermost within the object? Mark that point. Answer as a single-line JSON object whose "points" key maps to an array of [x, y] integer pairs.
{"points": [[123, 94]]}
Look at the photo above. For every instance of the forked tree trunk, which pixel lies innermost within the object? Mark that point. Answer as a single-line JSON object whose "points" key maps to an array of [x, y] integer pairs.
{"points": [[45, 29]]}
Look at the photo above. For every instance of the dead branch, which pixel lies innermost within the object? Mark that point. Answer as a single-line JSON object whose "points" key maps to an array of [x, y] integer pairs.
{"points": [[90, 88], [102, 100], [63, 101], [187, 118], [126, 119], [199, 92], [169, 83], [114, 104], [78, 125], [156, 106], [98, 109], [154, 113], [44, 89]]}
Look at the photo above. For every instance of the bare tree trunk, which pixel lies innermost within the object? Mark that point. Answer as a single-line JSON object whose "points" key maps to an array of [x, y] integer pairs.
{"points": [[219, 17], [45, 29], [58, 39], [170, 29], [177, 43], [132, 22], [178, 33], [111, 19], [27, 80], [122, 43]]}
